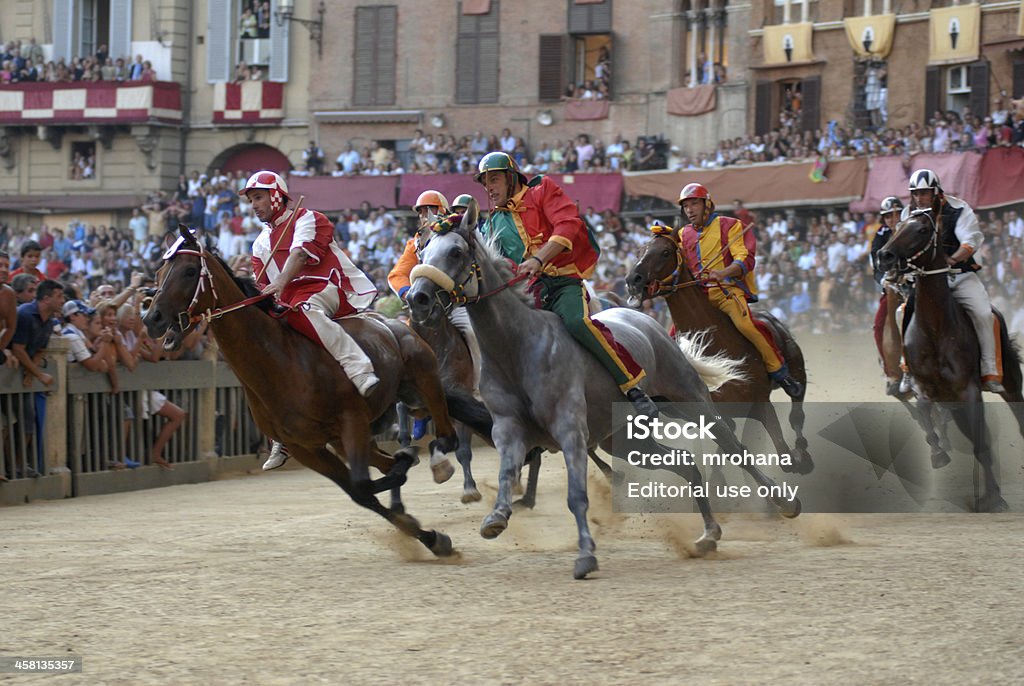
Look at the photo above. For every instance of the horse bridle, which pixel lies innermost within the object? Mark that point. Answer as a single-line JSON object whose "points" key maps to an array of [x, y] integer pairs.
{"points": [[185, 318], [671, 283], [456, 292], [932, 244]]}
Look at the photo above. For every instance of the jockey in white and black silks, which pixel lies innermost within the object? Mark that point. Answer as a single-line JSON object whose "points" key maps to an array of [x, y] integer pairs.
{"points": [[960, 240], [300, 263]]}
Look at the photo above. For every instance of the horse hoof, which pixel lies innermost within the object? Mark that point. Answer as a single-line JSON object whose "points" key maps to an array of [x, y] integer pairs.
{"points": [[471, 495], [584, 565], [794, 512], [705, 545], [940, 460], [410, 455], [442, 545], [522, 504], [442, 471], [493, 525]]}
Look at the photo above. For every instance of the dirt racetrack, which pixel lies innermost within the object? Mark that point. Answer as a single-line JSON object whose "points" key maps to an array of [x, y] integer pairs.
{"points": [[280, 579]]}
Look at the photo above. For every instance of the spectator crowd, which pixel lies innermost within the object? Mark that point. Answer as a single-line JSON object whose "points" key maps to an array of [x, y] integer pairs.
{"points": [[24, 61]]}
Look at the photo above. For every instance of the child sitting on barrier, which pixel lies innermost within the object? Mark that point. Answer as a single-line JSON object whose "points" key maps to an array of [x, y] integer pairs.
{"points": [[138, 346]]}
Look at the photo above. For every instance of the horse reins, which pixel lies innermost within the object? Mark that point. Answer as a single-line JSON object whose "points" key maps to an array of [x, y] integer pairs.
{"points": [[186, 318], [672, 279]]}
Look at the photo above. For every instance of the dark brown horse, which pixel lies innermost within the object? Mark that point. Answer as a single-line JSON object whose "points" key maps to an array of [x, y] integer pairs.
{"points": [[941, 349], [661, 272], [299, 394]]}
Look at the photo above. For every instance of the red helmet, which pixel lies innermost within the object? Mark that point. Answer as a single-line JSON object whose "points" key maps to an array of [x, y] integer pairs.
{"points": [[431, 199], [267, 180], [275, 185], [696, 190]]}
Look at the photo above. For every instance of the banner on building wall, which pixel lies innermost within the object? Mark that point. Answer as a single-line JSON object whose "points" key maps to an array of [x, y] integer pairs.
{"points": [[788, 43], [1020, 19], [871, 36], [955, 34]]}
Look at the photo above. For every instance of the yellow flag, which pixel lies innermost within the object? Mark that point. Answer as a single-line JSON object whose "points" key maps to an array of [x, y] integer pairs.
{"points": [[955, 34], [871, 36], [788, 43]]}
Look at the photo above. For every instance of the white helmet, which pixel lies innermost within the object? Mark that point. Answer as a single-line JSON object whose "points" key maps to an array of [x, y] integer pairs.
{"points": [[924, 180]]}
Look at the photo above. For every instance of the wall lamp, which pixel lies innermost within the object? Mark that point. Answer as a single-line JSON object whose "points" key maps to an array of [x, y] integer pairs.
{"points": [[286, 13]]}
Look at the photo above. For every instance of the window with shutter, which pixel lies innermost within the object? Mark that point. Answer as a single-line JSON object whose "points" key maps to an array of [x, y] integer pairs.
{"points": [[374, 62], [64, 43], [477, 53], [550, 79], [932, 91], [121, 29], [219, 41], [810, 99], [763, 108], [979, 88], [594, 17], [279, 36]]}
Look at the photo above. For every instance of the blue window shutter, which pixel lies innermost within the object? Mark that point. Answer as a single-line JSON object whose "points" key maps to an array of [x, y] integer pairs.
{"points": [[63, 30], [278, 46], [120, 42], [220, 39]]}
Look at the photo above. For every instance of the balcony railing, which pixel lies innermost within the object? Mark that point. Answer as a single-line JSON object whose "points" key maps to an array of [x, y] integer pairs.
{"points": [[98, 102], [248, 102]]}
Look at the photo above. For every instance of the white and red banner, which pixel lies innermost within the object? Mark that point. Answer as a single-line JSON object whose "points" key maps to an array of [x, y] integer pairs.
{"points": [[248, 102], [90, 103]]}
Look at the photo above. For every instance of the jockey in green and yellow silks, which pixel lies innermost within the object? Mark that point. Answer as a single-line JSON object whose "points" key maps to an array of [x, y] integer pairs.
{"points": [[537, 226], [715, 248]]}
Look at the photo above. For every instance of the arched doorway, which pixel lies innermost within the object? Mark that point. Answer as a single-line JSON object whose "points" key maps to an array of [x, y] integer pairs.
{"points": [[251, 157]]}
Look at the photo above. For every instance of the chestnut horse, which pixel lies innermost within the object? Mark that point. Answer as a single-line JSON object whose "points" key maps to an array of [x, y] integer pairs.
{"points": [[298, 393], [941, 348], [661, 272]]}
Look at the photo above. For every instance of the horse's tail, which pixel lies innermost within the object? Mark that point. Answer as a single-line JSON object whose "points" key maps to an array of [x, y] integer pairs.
{"points": [[714, 370], [463, 407], [1012, 375]]}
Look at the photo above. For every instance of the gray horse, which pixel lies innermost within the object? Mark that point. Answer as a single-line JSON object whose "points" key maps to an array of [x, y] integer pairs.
{"points": [[542, 388]]}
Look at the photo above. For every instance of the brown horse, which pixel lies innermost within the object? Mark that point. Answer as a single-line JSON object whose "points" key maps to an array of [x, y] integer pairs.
{"points": [[941, 348], [299, 394], [661, 272]]}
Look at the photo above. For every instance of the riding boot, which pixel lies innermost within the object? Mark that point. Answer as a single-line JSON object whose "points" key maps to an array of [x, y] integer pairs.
{"points": [[992, 386], [278, 456], [642, 402]]}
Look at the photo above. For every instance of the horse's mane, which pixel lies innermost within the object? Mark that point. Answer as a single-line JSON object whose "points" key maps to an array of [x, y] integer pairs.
{"points": [[246, 284], [488, 249]]}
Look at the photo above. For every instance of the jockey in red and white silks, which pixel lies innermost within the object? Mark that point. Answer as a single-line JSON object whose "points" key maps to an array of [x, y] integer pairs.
{"points": [[300, 262]]}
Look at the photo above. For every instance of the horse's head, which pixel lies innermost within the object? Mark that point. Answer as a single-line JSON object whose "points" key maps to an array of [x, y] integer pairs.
{"points": [[180, 284], [914, 243], [447, 266], [659, 260]]}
